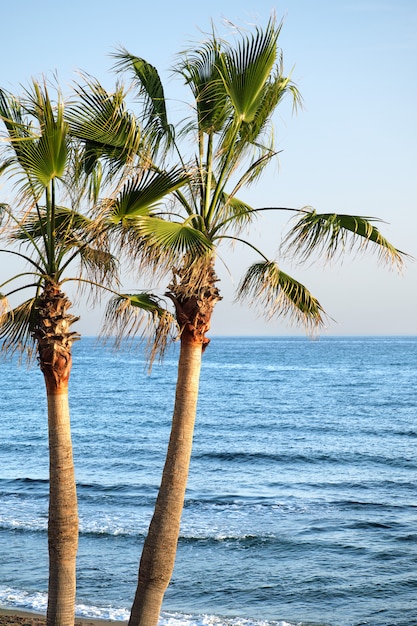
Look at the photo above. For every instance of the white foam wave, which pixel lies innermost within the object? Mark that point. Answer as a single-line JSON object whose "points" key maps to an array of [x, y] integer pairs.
{"points": [[178, 619], [37, 602], [23, 600]]}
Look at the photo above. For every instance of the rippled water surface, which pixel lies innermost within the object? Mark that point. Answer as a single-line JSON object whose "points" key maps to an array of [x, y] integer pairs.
{"points": [[301, 506]]}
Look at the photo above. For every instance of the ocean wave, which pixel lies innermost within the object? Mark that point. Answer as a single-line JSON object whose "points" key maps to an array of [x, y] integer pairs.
{"points": [[36, 602], [178, 619], [23, 526], [372, 504], [286, 458], [101, 530], [23, 483]]}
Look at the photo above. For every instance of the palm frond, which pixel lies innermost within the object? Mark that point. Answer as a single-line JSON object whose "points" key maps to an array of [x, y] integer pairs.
{"points": [[201, 70], [254, 171], [246, 68], [259, 130], [166, 242], [256, 135], [68, 223], [101, 120], [50, 153], [16, 326], [332, 234], [7, 164], [13, 116], [129, 316], [275, 293], [234, 214], [4, 213], [151, 94], [100, 265], [38, 137], [72, 236], [142, 194]]}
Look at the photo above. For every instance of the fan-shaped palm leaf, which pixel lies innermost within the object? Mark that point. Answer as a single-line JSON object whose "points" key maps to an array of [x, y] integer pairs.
{"points": [[16, 327], [246, 68], [151, 93], [128, 315], [259, 128], [201, 70], [102, 121], [234, 214], [142, 194], [12, 115], [172, 239], [67, 224], [73, 236], [41, 151], [277, 293], [333, 233]]}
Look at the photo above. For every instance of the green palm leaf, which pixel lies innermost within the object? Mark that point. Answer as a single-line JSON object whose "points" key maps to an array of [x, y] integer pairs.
{"points": [[99, 265], [12, 115], [51, 152], [254, 171], [259, 128], [246, 68], [277, 293], [6, 164], [333, 233], [151, 93], [41, 151], [4, 212], [201, 70], [67, 223], [130, 315], [171, 240], [73, 235], [16, 326], [102, 121], [142, 194], [234, 214]]}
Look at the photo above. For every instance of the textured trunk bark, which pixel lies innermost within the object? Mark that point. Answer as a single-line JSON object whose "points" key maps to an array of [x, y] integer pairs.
{"points": [[194, 295], [63, 517], [158, 555], [54, 339]]}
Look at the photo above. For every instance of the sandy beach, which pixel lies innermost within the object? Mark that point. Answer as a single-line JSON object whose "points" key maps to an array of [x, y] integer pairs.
{"points": [[10, 617]]}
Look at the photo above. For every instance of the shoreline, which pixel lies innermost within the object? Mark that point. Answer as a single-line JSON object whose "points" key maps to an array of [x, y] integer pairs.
{"points": [[15, 617]]}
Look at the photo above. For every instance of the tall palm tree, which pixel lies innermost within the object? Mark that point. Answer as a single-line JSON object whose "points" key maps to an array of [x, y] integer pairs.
{"points": [[236, 89], [49, 166], [47, 237]]}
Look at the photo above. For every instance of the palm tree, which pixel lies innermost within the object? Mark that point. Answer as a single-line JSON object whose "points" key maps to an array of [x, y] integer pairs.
{"points": [[236, 89], [49, 166], [39, 154]]}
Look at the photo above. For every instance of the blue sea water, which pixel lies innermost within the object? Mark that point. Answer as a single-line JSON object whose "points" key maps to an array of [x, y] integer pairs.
{"points": [[302, 500]]}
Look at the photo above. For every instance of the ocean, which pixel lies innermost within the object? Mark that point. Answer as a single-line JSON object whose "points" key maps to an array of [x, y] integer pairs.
{"points": [[301, 506]]}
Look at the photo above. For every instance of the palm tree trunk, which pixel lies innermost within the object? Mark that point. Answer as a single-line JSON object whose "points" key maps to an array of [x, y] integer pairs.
{"points": [[158, 555], [195, 295], [63, 517], [54, 339]]}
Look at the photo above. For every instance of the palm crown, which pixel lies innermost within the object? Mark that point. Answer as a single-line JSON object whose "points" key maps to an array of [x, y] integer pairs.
{"points": [[236, 89], [45, 162]]}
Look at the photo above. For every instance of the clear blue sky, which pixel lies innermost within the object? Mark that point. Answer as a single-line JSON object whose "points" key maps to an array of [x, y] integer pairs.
{"points": [[352, 149]]}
